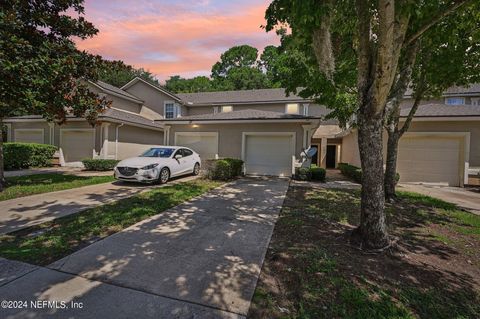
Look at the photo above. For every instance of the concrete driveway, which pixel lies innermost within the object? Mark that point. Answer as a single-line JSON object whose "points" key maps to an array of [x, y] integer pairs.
{"points": [[23, 212], [466, 198], [201, 259]]}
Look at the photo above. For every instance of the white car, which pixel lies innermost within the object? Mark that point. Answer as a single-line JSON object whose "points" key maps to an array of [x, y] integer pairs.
{"points": [[159, 164]]}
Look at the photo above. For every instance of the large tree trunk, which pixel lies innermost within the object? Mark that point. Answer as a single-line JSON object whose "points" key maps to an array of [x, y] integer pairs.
{"points": [[391, 165], [2, 175], [372, 232]]}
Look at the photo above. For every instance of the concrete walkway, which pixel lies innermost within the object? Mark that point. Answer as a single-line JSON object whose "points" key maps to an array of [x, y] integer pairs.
{"points": [[201, 259], [466, 198], [23, 212]]}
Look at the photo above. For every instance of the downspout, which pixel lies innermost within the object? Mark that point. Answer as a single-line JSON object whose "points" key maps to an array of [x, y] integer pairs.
{"points": [[116, 140]]}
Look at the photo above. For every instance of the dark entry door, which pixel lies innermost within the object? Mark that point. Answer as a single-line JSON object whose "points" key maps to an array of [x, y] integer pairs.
{"points": [[331, 154], [315, 157]]}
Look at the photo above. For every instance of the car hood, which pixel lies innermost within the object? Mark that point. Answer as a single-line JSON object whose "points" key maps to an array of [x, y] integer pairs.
{"points": [[140, 162]]}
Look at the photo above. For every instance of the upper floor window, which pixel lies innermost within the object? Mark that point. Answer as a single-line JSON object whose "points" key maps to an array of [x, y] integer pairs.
{"points": [[475, 101], [171, 110], [454, 101], [293, 108], [226, 108]]}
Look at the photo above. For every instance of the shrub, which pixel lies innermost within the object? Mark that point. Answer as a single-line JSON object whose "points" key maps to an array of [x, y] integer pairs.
{"points": [[99, 164], [25, 155], [318, 174], [355, 172], [223, 169], [303, 173]]}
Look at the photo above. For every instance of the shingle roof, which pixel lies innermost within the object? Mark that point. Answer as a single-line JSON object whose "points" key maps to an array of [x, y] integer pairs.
{"points": [[238, 97], [110, 88], [443, 110], [459, 90], [128, 117], [240, 115]]}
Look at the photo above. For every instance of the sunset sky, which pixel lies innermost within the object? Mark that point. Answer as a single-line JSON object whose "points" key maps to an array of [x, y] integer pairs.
{"points": [[170, 37]]}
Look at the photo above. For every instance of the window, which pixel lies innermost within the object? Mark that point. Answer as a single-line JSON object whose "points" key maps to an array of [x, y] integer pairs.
{"points": [[475, 101], [292, 108], [305, 109], [186, 152], [171, 110], [454, 101], [226, 108]]}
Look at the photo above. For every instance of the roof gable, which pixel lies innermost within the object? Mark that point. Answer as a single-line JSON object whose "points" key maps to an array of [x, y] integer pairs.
{"points": [[158, 88]]}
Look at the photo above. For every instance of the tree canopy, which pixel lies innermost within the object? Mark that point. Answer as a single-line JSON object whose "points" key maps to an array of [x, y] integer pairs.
{"points": [[41, 71], [118, 73]]}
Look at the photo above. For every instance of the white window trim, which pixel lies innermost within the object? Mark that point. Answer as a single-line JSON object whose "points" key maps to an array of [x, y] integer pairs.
{"points": [[305, 109], [224, 106], [176, 109], [298, 108], [454, 97], [30, 130], [474, 100]]}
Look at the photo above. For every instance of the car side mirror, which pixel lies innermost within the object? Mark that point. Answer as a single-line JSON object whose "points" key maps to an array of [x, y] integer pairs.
{"points": [[178, 156]]}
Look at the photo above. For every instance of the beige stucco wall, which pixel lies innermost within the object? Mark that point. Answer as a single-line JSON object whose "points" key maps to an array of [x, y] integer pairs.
{"points": [[153, 98], [230, 135], [313, 109], [132, 140]]}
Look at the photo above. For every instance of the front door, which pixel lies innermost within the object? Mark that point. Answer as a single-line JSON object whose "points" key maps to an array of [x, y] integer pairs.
{"points": [[331, 156], [315, 157]]}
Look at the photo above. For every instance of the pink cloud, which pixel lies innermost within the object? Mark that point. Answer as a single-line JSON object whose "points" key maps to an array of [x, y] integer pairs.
{"points": [[183, 42]]}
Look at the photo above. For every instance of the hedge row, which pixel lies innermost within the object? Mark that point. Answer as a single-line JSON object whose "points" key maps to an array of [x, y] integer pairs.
{"points": [[223, 169], [355, 172], [25, 155], [99, 164], [307, 174]]}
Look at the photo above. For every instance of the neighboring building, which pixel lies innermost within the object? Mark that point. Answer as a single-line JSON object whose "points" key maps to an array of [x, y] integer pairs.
{"points": [[265, 128]]}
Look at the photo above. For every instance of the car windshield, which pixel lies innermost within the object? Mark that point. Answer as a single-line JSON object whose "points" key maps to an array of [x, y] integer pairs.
{"points": [[158, 152]]}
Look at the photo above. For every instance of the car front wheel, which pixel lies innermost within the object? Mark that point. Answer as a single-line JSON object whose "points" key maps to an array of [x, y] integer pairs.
{"points": [[164, 175], [196, 169]]}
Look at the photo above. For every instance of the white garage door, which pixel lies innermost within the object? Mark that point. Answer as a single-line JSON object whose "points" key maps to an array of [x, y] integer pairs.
{"points": [[76, 144], [269, 154], [29, 136], [204, 143], [430, 159]]}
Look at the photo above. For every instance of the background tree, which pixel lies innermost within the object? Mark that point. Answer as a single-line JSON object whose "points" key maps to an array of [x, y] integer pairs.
{"points": [[372, 34], [446, 55], [41, 71], [238, 70], [177, 84], [118, 73]]}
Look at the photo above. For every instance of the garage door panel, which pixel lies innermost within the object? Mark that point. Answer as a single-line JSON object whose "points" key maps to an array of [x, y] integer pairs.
{"points": [[268, 154], [204, 144], [76, 145], [430, 160]]}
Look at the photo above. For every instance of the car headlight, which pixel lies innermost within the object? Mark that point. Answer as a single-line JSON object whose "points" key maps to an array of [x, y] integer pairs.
{"points": [[151, 166]]}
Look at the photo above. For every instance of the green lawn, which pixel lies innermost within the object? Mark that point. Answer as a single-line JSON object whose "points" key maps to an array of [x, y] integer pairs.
{"points": [[21, 186], [312, 271], [53, 240]]}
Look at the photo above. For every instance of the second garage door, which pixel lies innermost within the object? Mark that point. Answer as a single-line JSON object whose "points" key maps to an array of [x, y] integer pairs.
{"points": [[269, 154], [76, 145], [430, 159], [204, 143]]}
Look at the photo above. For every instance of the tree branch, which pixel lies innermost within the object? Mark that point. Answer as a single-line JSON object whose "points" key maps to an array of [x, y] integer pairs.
{"points": [[435, 20], [418, 98]]}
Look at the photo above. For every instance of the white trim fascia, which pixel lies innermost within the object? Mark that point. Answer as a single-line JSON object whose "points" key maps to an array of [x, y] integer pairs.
{"points": [[251, 121], [466, 148], [136, 79], [30, 130], [76, 129], [106, 91], [293, 149], [443, 118]]}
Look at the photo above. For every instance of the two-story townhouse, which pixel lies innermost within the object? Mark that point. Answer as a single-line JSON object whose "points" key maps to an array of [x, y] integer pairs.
{"points": [[265, 128]]}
